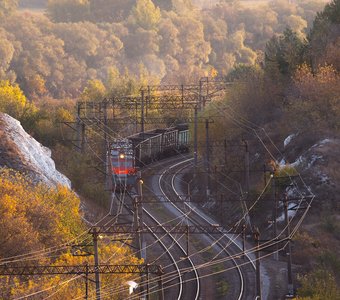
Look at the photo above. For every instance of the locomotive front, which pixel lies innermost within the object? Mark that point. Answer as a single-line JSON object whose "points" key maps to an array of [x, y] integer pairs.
{"points": [[123, 168]]}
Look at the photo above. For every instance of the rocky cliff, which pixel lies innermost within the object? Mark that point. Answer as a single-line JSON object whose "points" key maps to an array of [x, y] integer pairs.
{"points": [[20, 151]]}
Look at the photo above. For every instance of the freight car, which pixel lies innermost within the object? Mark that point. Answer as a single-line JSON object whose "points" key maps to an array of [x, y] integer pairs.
{"points": [[136, 151], [159, 143]]}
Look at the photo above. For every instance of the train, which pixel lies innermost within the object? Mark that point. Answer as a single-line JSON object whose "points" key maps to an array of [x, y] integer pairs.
{"points": [[128, 155], [122, 164]]}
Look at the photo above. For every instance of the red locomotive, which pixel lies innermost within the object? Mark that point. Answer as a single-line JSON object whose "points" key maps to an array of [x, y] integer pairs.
{"points": [[122, 162]]}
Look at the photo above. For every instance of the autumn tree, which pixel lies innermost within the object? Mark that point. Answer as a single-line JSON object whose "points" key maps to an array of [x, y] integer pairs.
{"points": [[45, 125], [6, 53], [169, 44], [216, 32], [146, 15], [195, 49], [110, 10], [33, 3], [94, 91], [12, 99], [283, 8], [183, 7], [35, 216], [297, 24], [314, 99], [123, 83], [163, 4], [141, 42], [68, 10], [39, 57], [7, 7], [319, 284], [259, 23], [237, 46], [87, 37]]}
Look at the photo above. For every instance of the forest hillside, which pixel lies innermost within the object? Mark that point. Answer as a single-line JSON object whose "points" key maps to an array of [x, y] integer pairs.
{"points": [[56, 52], [281, 57]]}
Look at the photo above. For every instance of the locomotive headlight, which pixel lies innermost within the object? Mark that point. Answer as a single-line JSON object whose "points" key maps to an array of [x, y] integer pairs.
{"points": [[121, 155]]}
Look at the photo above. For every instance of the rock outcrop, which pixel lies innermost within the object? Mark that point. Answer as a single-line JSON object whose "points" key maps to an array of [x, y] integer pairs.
{"points": [[20, 151]]}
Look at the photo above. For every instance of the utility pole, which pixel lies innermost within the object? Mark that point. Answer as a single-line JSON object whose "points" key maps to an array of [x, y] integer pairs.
{"points": [[80, 128], [187, 234], [207, 160], [203, 98], [142, 112], [87, 281], [148, 100], [140, 241], [140, 215], [189, 190], [138, 224], [82, 145], [160, 284], [274, 218], [244, 226], [246, 167], [96, 261], [264, 175], [225, 153], [221, 210], [200, 95], [258, 270], [147, 282], [106, 146], [195, 139], [207, 90], [136, 117], [246, 179], [288, 249]]}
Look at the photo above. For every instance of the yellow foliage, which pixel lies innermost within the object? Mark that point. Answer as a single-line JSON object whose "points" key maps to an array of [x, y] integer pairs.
{"points": [[12, 99], [67, 287], [146, 14], [36, 217], [94, 91], [36, 86], [213, 73], [63, 115], [317, 98], [318, 285]]}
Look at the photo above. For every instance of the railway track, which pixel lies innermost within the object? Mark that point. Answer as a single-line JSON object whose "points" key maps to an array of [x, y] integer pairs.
{"points": [[181, 279], [186, 275], [197, 218], [181, 263]]}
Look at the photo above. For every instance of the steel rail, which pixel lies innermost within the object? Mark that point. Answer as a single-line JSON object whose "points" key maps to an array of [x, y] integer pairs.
{"points": [[241, 293], [197, 279], [242, 281], [159, 240], [169, 253]]}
